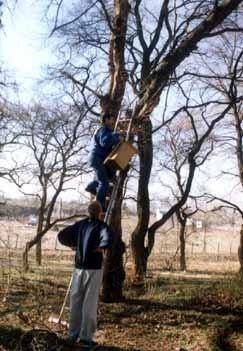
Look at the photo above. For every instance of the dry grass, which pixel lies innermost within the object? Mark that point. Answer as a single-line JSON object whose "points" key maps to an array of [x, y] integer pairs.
{"points": [[172, 311], [198, 310]]}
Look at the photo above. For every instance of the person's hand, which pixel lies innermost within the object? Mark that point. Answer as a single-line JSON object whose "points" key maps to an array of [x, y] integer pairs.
{"points": [[99, 249], [102, 216]]}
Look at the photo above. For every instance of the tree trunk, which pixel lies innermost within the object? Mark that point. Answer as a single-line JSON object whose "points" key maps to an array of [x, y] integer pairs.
{"points": [[147, 103], [182, 246], [240, 250], [38, 253], [111, 102], [30, 244], [139, 251], [114, 273], [25, 257]]}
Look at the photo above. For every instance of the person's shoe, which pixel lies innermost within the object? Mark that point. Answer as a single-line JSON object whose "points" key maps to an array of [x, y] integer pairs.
{"points": [[88, 343], [109, 191], [90, 190], [113, 179], [71, 341]]}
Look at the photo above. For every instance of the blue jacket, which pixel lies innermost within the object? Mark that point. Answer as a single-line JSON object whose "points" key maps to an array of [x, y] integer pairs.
{"points": [[103, 141], [86, 236]]}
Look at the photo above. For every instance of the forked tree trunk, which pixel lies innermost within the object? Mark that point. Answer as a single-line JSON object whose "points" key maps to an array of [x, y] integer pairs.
{"points": [[139, 251], [111, 102], [148, 101], [114, 273], [29, 245]]}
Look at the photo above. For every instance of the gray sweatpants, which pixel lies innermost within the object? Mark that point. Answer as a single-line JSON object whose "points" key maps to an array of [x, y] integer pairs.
{"points": [[83, 303]]}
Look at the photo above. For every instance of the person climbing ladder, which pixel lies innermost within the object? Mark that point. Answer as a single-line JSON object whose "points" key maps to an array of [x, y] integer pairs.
{"points": [[102, 143]]}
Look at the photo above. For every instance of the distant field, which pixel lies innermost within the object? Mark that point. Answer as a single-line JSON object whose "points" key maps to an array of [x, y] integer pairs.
{"points": [[211, 250]]}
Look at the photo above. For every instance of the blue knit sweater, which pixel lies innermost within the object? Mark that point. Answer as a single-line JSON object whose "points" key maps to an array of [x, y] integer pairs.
{"points": [[85, 237], [103, 141]]}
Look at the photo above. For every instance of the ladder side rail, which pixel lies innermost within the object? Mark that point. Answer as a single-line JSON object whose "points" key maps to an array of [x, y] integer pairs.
{"points": [[116, 187], [129, 129], [112, 200]]}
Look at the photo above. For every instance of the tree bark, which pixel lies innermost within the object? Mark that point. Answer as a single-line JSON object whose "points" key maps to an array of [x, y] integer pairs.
{"points": [[139, 251], [38, 251], [182, 245], [111, 102], [160, 75], [240, 250], [29, 245], [149, 99], [114, 272], [25, 257]]}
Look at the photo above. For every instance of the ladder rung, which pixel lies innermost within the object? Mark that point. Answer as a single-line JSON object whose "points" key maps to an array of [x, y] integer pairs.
{"points": [[124, 120]]}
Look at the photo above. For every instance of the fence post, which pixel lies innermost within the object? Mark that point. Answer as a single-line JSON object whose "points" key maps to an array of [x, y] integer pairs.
{"points": [[218, 251], [17, 239]]}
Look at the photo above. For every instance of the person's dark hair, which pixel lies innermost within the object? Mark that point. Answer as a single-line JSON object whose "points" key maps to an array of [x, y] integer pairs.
{"points": [[94, 209], [105, 116]]}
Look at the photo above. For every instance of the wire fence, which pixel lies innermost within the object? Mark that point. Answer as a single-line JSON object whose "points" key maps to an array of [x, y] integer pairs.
{"points": [[217, 244]]}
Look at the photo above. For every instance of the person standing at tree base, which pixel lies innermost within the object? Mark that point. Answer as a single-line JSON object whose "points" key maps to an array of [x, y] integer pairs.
{"points": [[89, 237]]}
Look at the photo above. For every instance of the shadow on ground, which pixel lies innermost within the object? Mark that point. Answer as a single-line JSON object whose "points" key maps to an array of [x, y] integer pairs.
{"points": [[211, 307], [15, 339]]}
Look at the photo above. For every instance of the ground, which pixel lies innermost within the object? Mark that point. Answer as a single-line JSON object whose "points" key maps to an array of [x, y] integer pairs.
{"points": [[172, 311], [197, 310]]}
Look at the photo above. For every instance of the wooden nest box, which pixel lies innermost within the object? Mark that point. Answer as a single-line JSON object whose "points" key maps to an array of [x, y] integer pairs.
{"points": [[121, 155]]}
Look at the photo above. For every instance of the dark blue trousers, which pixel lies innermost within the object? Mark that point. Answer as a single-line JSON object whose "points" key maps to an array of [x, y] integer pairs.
{"points": [[101, 182]]}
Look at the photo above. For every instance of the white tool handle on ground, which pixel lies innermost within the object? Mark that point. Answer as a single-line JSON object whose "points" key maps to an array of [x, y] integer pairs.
{"points": [[65, 300]]}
